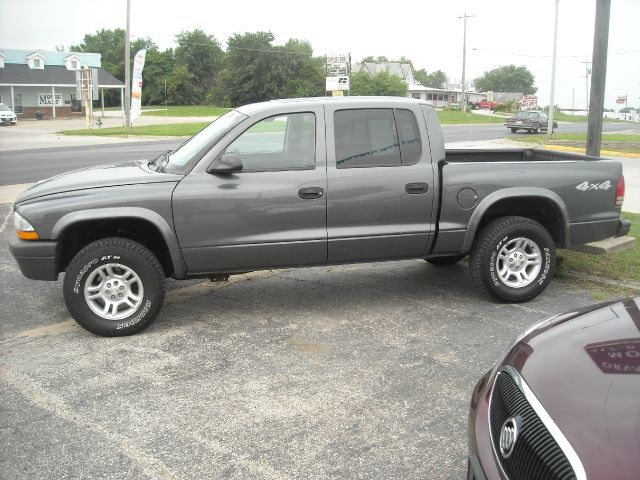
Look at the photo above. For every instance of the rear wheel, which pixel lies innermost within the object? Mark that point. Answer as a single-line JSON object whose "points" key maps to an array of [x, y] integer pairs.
{"points": [[442, 261], [536, 129], [514, 130], [114, 287], [513, 258]]}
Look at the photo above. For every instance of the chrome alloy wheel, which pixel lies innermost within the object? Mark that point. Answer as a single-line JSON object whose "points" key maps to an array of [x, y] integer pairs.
{"points": [[518, 262], [113, 291]]}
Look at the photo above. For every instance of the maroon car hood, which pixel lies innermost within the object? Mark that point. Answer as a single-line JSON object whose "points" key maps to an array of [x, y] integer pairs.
{"points": [[585, 370]]}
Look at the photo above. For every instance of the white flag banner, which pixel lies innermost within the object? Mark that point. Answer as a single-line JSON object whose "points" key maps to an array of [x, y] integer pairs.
{"points": [[136, 84]]}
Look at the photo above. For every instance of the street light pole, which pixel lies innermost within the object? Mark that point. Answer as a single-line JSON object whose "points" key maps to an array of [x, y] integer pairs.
{"points": [[464, 60], [553, 76], [127, 70]]}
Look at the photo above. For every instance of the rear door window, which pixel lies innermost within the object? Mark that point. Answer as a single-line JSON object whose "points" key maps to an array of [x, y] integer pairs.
{"points": [[366, 138]]}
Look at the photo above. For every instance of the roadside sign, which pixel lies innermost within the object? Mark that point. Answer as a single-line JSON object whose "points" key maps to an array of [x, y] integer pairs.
{"points": [[337, 68], [337, 93], [621, 100]]}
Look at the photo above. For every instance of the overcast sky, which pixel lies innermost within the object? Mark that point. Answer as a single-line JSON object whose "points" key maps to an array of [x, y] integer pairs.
{"points": [[428, 32]]}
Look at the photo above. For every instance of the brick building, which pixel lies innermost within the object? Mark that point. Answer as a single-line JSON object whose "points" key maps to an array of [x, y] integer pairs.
{"points": [[34, 81]]}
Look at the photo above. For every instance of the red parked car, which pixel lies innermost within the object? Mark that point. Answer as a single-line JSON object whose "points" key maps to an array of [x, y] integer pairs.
{"points": [[565, 401], [484, 104]]}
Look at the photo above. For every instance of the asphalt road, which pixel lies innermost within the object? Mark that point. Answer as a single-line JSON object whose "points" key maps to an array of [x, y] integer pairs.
{"points": [[361, 371], [27, 166]]}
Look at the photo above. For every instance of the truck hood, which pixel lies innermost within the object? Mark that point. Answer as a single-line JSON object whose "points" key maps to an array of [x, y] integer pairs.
{"points": [[116, 174], [584, 368]]}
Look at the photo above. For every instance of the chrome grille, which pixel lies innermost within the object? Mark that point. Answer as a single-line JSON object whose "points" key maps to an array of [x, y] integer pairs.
{"points": [[536, 454]]}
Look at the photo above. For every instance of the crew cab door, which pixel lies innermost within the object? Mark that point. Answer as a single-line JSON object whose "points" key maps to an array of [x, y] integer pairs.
{"points": [[380, 183], [272, 212]]}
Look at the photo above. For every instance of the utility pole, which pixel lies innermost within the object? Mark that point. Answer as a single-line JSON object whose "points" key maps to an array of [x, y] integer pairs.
{"points": [[598, 77], [127, 71], [587, 71], [553, 76], [464, 60]]}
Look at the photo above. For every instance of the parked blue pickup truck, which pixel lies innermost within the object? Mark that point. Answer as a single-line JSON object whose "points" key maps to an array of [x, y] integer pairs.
{"points": [[294, 183]]}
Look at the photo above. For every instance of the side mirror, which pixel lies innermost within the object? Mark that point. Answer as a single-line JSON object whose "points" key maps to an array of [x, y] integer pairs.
{"points": [[226, 163]]}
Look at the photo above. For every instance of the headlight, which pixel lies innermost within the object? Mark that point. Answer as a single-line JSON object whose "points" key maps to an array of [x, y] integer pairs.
{"points": [[24, 229]]}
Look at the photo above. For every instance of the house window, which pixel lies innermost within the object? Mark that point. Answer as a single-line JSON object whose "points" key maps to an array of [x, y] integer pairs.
{"points": [[36, 63], [74, 65]]}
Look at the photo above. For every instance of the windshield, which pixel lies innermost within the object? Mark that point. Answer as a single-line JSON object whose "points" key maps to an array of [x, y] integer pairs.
{"points": [[201, 142], [4, 108]]}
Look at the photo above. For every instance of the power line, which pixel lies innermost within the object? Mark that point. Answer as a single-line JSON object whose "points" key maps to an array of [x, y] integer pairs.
{"points": [[548, 56]]}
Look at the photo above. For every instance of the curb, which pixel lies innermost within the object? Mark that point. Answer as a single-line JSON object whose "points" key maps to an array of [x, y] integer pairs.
{"points": [[608, 153]]}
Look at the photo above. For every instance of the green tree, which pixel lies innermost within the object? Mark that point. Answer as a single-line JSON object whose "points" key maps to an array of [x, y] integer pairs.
{"points": [[303, 74], [110, 45], [202, 56], [437, 79], [248, 75], [181, 87], [507, 78], [158, 67], [256, 70], [383, 83]]}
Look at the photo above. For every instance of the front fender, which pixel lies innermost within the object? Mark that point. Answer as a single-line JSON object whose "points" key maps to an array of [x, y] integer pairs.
{"points": [[129, 212], [514, 193]]}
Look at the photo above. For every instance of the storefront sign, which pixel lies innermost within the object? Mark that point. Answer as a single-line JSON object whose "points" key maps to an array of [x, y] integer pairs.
{"points": [[46, 100]]}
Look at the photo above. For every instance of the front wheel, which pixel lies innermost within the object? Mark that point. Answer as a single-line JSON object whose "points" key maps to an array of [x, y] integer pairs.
{"points": [[114, 287], [513, 258]]}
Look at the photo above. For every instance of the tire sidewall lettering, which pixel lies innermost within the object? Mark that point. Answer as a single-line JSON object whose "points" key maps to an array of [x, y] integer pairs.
{"points": [[81, 274], [136, 319]]}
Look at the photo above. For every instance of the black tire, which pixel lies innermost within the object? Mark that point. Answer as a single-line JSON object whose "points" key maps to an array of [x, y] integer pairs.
{"points": [[495, 238], [142, 287], [514, 130], [536, 129], [442, 261]]}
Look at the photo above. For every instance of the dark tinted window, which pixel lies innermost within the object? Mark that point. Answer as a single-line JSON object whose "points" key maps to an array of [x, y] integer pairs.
{"points": [[366, 138], [409, 136], [284, 142]]}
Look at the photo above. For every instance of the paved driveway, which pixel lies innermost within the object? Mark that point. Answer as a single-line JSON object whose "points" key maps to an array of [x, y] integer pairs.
{"points": [[361, 371]]}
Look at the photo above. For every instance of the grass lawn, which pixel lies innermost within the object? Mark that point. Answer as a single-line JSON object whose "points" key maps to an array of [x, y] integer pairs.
{"points": [[567, 117], [171, 129], [610, 141], [451, 117], [185, 111], [624, 266], [618, 266], [176, 111]]}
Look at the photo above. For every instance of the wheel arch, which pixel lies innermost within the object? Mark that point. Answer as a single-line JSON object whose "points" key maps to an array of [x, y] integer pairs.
{"points": [[540, 204], [77, 229]]}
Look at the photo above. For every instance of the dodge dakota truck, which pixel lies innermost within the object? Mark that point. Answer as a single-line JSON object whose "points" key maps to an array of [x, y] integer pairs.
{"points": [[294, 183]]}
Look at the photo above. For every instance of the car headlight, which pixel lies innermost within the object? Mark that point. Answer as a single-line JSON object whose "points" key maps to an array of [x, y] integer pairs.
{"points": [[24, 229]]}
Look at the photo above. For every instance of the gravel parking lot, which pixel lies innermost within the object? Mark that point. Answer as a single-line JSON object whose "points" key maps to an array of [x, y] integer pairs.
{"points": [[359, 371]]}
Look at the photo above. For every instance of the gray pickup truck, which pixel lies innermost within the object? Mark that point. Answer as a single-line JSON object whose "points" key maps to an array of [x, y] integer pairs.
{"points": [[294, 183]]}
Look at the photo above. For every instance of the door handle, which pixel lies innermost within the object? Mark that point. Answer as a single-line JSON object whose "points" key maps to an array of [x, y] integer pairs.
{"points": [[416, 188], [310, 193]]}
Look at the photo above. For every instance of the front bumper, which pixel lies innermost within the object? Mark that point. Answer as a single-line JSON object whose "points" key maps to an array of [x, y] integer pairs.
{"points": [[8, 119], [37, 259]]}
